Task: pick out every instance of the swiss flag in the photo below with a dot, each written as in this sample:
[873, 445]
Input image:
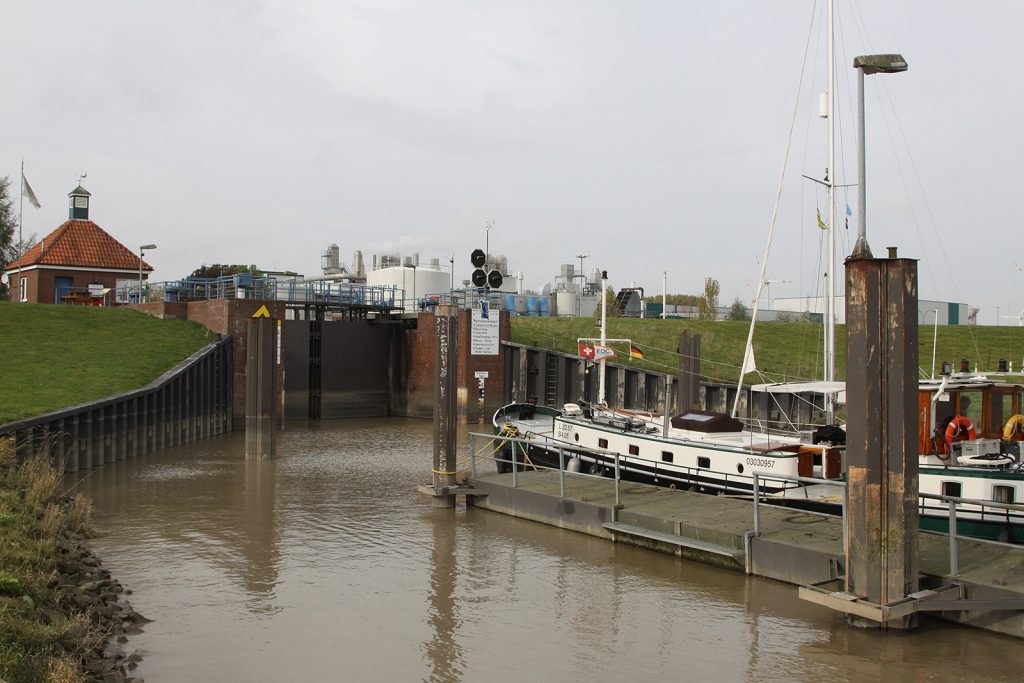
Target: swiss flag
[586, 351]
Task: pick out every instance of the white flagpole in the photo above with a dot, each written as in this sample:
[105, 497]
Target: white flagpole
[21, 202]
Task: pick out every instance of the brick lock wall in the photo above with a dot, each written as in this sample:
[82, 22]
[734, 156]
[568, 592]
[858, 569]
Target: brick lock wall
[418, 355]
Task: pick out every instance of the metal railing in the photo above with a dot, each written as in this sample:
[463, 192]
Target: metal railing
[952, 502]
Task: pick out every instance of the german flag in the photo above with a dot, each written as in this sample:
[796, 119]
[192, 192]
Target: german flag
[634, 352]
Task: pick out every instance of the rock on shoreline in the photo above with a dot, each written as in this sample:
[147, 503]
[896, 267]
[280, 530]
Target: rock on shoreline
[86, 587]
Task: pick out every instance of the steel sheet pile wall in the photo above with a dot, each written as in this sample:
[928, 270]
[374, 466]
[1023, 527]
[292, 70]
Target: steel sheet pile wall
[192, 401]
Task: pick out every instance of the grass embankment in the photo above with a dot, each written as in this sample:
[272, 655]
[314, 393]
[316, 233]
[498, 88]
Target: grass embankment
[784, 351]
[57, 356]
[45, 635]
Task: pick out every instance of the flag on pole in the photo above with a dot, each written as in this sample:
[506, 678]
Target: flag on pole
[634, 352]
[821, 223]
[26, 190]
[603, 352]
[586, 350]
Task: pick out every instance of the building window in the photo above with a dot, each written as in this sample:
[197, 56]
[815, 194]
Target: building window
[634, 450]
[666, 456]
[952, 488]
[23, 288]
[703, 461]
[1002, 494]
[602, 443]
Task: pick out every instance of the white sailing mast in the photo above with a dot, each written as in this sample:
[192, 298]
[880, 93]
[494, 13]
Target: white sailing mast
[829, 364]
[829, 373]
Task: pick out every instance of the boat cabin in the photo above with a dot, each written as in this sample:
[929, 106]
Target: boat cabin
[954, 410]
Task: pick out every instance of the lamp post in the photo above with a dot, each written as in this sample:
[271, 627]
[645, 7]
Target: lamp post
[865, 66]
[935, 339]
[768, 289]
[142, 252]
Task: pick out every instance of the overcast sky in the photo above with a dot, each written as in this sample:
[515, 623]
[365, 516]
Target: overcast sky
[649, 135]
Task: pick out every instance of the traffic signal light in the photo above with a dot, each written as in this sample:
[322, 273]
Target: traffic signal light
[491, 279]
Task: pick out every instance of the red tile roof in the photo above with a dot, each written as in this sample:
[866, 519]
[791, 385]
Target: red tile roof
[83, 244]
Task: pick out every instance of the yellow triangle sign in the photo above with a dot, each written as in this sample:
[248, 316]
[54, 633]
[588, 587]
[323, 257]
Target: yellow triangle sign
[261, 312]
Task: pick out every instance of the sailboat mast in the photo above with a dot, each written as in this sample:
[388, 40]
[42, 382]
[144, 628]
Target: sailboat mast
[604, 335]
[830, 279]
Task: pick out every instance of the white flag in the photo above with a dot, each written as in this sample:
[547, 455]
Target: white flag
[26, 190]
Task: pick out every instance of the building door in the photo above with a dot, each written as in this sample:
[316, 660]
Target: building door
[61, 288]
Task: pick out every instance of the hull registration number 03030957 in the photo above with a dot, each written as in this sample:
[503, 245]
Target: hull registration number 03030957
[761, 462]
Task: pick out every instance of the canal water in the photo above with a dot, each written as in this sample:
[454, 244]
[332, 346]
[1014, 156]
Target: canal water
[326, 564]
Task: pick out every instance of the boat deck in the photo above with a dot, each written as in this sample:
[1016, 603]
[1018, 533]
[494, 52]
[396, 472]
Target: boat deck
[797, 547]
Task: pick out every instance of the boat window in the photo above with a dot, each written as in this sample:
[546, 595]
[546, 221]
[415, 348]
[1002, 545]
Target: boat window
[1001, 411]
[666, 456]
[1003, 494]
[952, 488]
[970, 407]
[703, 461]
[634, 450]
[602, 443]
[576, 436]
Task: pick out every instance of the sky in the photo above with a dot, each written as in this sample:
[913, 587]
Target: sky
[648, 135]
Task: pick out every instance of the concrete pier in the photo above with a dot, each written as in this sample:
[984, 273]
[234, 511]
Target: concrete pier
[800, 548]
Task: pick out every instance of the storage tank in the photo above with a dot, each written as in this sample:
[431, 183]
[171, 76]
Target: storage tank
[532, 305]
[521, 305]
[544, 305]
[565, 303]
[510, 303]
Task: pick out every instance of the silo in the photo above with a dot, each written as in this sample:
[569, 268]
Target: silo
[565, 303]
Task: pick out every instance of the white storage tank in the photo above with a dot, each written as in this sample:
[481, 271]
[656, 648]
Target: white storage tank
[565, 303]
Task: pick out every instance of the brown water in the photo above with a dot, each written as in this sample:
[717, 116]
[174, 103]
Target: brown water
[326, 564]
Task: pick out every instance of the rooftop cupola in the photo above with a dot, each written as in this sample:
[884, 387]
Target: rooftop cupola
[78, 204]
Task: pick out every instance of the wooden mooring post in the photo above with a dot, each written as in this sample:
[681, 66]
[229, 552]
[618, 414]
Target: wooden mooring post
[445, 406]
[881, 450]
[689, 372]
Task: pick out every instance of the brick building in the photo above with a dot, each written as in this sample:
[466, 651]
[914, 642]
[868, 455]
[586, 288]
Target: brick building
[77, 262]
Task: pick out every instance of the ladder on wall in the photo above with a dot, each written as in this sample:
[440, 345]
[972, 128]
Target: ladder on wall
[551, 380]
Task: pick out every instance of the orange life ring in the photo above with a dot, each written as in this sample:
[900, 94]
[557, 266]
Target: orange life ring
[1014, 429]
[956, 429]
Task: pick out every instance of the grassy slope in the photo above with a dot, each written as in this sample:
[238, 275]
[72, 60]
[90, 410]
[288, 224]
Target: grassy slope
[56, 356]
[786, 350]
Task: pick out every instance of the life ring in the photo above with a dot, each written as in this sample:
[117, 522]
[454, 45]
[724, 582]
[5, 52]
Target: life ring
[1014, 429]
[956, 429]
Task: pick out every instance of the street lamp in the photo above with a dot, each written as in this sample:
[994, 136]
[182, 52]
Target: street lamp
[142, 252]
[865, 66]
[768, 289]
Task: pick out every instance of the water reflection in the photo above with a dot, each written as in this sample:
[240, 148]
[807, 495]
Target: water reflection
[443, 654]
[259, 536]
[325, 564]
